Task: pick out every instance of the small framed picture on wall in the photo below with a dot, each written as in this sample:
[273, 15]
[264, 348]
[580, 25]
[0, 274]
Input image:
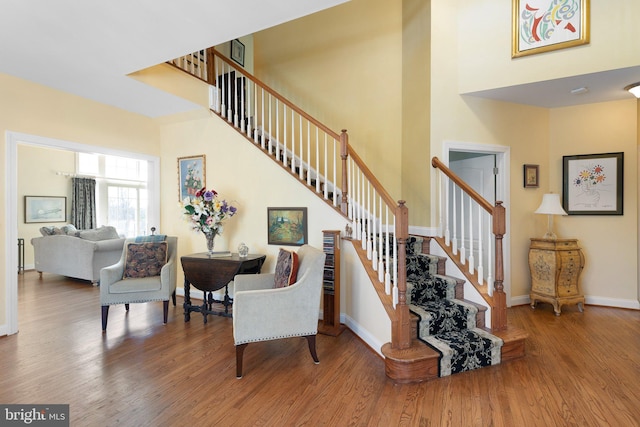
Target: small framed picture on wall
[530, 173]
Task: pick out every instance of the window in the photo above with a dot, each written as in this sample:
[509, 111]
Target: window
[122, 197]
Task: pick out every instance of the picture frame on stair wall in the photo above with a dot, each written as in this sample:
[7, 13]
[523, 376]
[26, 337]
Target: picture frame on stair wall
[237, 51]
[287, 226]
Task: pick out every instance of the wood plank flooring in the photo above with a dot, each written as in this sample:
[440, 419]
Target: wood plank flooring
[580, 369]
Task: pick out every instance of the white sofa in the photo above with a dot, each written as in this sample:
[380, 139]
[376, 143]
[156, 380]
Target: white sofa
[81, 255]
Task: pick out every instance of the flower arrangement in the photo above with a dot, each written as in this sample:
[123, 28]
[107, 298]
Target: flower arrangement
[192, 180]
[590, 176]
[206, 212]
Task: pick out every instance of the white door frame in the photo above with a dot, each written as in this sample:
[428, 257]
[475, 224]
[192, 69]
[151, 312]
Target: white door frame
[12, 139]
[503, 162]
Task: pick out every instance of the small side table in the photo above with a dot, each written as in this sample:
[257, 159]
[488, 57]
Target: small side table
[20, 255]
[555, 267]
[210, 274]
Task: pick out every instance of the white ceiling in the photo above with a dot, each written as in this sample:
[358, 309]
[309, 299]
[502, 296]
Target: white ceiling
[599, 87]
[88, 47]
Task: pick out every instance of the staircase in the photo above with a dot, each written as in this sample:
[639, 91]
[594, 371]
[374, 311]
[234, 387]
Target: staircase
[435, 332]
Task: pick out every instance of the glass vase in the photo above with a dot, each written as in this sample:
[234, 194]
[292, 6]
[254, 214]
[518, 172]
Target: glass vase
[211, 236]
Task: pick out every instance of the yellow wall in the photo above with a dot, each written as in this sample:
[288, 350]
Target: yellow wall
[343, 66]
[609, 243]
[37, 176]
[485, 45]
[416, 109]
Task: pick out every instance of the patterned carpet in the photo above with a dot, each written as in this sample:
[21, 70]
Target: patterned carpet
[446, 324]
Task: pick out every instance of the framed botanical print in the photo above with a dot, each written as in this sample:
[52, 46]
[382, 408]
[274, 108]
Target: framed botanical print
[191, 175]
[593, 184]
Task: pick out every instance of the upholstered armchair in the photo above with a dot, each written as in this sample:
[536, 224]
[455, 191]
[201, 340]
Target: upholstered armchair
[135, 279]
[262, 312]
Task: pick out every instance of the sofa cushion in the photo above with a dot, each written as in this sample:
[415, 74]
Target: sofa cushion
[50, 231]
[286, 269]
[144, 259]
[103, 233]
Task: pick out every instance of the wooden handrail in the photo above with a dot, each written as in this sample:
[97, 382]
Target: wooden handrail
[272, 92]
[371, 177]
[436, 163]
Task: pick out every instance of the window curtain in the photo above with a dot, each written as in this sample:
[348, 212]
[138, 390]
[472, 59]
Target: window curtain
[83, 203]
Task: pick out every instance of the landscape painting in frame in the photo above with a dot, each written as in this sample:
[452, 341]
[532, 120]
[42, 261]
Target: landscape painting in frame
[545, 25]
[287, 226]
[45, 209]
[593, 184]
[191, 175]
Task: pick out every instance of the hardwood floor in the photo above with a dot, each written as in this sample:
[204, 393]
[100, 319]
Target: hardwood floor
[581, 369]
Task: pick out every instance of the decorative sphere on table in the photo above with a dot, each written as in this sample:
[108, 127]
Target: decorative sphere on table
[243, 250]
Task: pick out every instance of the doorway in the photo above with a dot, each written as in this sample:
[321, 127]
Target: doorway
[13, 139]
[486, 168]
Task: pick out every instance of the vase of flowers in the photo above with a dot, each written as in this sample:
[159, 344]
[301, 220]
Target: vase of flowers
[206, 213]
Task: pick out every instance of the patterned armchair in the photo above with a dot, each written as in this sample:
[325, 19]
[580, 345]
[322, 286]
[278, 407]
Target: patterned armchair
[262, 312]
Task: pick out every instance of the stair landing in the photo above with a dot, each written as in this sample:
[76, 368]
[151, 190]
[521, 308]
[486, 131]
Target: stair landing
[419, 362]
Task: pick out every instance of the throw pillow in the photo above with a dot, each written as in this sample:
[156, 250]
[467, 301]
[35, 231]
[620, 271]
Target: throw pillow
[47, 231]
[69, 230]
[144, 259]
[103, 233]
[286, 269]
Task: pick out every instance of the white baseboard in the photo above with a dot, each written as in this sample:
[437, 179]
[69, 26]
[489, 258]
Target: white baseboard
[588, 300]
[363, 334]
[4, 330]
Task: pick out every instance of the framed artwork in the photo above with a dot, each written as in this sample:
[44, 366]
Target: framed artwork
[546, 25]
[287, 226]
[191, 173]
[45, 209]
[531, 176]
[593, 184]
[237, 51]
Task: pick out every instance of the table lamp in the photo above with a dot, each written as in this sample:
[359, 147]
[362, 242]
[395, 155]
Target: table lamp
[551, 206]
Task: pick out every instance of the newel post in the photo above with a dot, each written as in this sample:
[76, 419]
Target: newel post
[344, 154]
[401, 328]
[211, 76]
[499, 310]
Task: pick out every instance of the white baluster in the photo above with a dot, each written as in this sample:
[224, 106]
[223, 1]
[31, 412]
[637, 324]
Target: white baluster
[481, 245]
[387, 275]
[472, 261]
[317, 162]
[374, 248]
[293, 142]
[463, 250]
[335, 167]
[454, 222]
[326, 171]
[301, 173]
[380, 248]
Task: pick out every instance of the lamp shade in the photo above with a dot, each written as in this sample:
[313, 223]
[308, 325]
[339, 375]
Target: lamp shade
[634, 89]
[551, 205]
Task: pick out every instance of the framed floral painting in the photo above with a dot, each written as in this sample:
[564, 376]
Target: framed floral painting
[593, 184]
[191, 174]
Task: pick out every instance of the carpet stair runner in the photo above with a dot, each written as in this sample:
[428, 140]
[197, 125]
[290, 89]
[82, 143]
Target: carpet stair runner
[447, 324]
